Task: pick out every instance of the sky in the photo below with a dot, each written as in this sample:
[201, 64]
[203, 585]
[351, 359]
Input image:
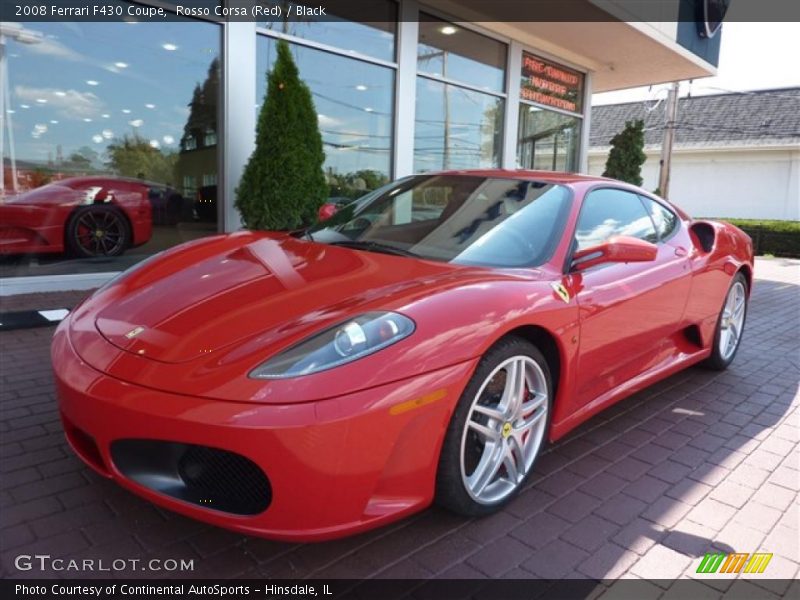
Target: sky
[753, 56]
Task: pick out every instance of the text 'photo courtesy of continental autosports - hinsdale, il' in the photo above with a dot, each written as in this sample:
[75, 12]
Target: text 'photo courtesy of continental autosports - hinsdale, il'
[421, 344]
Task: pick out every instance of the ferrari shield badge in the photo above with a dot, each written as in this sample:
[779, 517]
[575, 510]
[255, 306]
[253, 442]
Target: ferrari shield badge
[561, 291]
[134, 332]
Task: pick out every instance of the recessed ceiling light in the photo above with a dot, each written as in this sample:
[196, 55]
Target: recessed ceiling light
[136, 123]
[169, 47]
[149, 105]
[87, 120]
[121, 65]
[53, 121]
[368, 109]
[24, 106]
[92, 82]
[60, 93]
[361, 87]
[106, 116]
[41, 100]
[448, 30]
[127, 111]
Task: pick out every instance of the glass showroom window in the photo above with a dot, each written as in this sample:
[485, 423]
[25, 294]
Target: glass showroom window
[550, 119]
[548, 140]
[458, 125]
[113, 124]
[354, 102]
[456, 128]
[457, 54]
[349, 32]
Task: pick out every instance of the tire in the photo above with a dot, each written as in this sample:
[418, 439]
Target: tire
[730, 322]
[489, 451]
[97, 230]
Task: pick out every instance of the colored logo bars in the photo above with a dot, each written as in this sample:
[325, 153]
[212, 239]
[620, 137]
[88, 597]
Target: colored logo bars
[733, 563]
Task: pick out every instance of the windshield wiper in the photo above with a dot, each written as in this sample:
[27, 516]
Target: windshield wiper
[375, 247]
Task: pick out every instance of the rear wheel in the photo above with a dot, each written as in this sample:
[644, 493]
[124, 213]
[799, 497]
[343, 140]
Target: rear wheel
[97, 230]
[730, 325]
[497, 430]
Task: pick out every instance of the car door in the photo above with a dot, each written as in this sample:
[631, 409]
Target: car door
[628, 311]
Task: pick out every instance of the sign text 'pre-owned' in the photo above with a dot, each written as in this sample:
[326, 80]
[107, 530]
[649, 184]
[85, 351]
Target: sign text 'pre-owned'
[546, 83]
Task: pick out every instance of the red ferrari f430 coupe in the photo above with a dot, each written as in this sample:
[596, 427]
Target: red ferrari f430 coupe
[86, 216]
[423, 344]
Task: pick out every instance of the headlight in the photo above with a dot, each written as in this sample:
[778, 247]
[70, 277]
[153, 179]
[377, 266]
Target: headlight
[337, 346]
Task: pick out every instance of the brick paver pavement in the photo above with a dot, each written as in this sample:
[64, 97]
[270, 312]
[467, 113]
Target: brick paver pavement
[700, 462]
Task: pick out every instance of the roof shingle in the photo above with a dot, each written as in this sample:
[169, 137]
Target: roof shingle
[760, 118]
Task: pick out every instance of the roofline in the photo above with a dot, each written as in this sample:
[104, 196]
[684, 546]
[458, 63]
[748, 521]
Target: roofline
[702, 96]
[679, 149]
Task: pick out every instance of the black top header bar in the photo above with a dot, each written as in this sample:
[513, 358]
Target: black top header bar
[381, 10]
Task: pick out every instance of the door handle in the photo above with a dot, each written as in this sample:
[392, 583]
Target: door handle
[681, 251]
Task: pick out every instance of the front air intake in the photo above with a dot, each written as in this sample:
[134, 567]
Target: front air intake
[209, 477]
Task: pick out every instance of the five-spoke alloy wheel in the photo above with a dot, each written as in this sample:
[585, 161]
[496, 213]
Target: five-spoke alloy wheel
[730, 325]
[497, 430]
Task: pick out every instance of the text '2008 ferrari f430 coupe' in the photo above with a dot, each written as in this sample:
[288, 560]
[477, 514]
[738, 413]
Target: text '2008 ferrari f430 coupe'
[423, 344]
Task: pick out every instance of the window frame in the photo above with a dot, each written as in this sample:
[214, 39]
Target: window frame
[674, 231]
[392, 67]
[503, 91]
[567, 267]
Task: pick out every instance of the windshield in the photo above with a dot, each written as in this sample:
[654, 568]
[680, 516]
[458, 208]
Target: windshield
[461, 219]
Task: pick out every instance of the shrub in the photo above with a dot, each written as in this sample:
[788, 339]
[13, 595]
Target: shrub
[283, 184]
[627, 155]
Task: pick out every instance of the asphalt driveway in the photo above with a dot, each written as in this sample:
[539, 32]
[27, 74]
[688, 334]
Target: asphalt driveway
[701, 462]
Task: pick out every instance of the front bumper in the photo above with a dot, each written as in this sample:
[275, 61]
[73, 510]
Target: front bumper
[335, 467]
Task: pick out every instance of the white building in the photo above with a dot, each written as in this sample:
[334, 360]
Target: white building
[736, 155]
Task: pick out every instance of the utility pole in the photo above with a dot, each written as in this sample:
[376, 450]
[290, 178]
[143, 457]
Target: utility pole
[670, 118]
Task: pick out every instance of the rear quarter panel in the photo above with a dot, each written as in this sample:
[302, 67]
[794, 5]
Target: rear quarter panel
[713, 270]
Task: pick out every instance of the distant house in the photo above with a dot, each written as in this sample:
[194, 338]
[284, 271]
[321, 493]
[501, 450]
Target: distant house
[736, 155]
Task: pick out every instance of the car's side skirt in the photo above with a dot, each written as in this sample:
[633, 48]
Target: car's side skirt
[625, 389]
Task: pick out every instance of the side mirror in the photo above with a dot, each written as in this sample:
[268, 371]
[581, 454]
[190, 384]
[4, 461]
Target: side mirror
[620, 248]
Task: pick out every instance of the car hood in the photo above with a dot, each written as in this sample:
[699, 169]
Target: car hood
[198, 318]
[213, 295]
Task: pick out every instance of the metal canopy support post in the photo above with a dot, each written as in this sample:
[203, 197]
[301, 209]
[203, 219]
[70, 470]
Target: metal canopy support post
[511, 116]
[586, 124]
[406, 86]
[238, 114]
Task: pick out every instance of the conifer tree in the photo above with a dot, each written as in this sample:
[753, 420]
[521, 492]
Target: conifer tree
[627, 155]
[283, 184]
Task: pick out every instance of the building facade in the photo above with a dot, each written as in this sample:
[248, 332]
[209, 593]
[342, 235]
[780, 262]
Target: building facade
[735, 155]
[426, 86]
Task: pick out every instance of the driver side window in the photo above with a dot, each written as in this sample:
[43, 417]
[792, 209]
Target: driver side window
[609, 212]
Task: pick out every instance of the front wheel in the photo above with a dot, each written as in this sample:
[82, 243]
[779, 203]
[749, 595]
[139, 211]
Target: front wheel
[497, 430]
[730, 325]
